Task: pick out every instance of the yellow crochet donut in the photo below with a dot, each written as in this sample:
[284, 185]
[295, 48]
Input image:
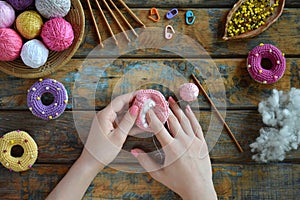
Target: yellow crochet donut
[18, 151]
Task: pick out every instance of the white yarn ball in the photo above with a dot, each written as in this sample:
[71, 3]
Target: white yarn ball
[53, 8]
[34, 53]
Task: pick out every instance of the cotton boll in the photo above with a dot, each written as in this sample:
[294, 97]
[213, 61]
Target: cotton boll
[281, 111]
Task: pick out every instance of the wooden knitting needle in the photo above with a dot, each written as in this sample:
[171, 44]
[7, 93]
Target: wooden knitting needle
[132, 13]
[124, 18]
[117, 21]
[218, 113]
[106, 22]
[95, 23]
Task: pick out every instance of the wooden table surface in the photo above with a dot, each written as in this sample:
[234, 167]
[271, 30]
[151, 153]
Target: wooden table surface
[236, 175]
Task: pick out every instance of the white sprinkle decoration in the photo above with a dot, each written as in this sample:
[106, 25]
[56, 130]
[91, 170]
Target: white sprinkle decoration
[32, 156]
[275, 77]
[55, 104]
[270, 51]
[278, 62]
[7, 164]
[28, 90]
[47, 88]
[265, 82]
[56, 114]
[54, 81]
[58, 88]
[43, 112]
[249, 66]
[33, 89]
[30, 108]
[257, 55]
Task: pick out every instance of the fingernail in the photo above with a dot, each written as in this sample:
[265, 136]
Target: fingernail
[134, 110]
[188, 108]
[171, 100]
[134, 152]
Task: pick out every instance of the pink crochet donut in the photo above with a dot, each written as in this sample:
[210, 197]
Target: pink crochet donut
[150, 99]
[188, 92]
[262, 74]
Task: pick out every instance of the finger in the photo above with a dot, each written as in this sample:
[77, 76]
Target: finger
[181, 117]
[147, 163]
[158, 128]
[174, 125]
[194, 122]
[121, 132]
[119, 102]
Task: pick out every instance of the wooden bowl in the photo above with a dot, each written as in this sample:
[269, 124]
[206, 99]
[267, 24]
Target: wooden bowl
[249, 34]
[56, 59]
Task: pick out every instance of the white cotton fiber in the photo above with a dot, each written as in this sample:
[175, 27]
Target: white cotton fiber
[281, 113]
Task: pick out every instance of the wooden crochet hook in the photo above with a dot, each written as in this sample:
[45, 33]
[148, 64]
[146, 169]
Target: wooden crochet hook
[132, 13]
[95, 23]
[116, 19]
[218, 113]
[106, 22]
[124, 18]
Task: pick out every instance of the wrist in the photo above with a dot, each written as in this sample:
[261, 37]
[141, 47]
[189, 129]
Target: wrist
[205, 192]
[89, 163]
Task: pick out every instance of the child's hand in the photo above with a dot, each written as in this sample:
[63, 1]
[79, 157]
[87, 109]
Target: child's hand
[106, 138]
[187, 168]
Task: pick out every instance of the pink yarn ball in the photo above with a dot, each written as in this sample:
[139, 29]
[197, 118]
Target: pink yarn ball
[189, 92]
[57, 34]
[10, 44]
[7, 15]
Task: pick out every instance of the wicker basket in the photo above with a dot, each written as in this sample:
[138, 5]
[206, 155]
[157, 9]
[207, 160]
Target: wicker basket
[56, 59]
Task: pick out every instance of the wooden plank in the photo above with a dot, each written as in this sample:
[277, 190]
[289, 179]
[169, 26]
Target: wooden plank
[207, 32]
[60, 140]
[192, 3]
[232, 181]
[241, 90]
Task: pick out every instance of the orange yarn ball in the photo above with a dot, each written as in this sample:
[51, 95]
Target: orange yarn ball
[29, 24]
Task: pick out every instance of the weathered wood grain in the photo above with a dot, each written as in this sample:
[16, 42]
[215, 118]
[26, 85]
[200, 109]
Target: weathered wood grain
[232, 181]
[192, 3]
[60, 140]
[84, 79]
[207, 31]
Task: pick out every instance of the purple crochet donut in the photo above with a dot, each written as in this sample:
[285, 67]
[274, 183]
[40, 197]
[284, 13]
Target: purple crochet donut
[34, 99]
[262, 74]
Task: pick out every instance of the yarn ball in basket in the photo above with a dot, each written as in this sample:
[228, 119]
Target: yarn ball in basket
[7, 15]
[29, 24]
[57, 34]
[34, 53]
[10, 44]
[53, 8]
[20, 4]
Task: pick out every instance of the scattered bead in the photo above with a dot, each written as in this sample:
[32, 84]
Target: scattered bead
[25, 140]
[265, 82]
[260, 71]
[47, 88]
[261, 44]
[65, 101]
[18, 131]
[30, 108]
[56, 114]
[278, 62]
[50, 117]
[55, 104]
[4, 151]
[7, 164]
[270, 50]
[40, 79]
[275, 77]
[58, 89]
[11, 141]
[249, 66]
[43, 112]
[256, 54]
[283, 54]
[33, 89]
[54, 81]
[29, 166]
[38, 98]
[19, 162]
